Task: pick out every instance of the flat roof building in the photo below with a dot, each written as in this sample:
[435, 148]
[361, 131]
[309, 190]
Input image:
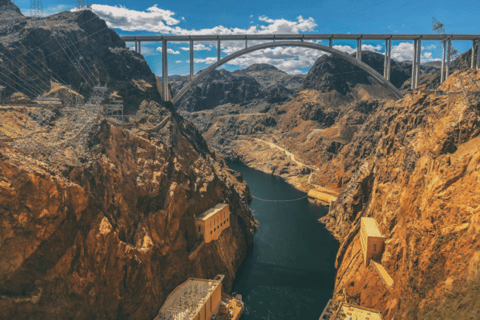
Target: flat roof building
[212, 222]
[195, 299]
[348, 311]
[373, 241]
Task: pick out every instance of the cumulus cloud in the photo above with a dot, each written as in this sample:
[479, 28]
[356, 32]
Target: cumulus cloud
[153, 19]
[404, 52]
[427, 57]
[197, 47]
[159, 49]
[208, 60]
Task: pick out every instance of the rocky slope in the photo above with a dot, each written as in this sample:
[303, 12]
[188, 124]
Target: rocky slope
[259, 84]
[106, 233]
[418, 179]
[331, 103]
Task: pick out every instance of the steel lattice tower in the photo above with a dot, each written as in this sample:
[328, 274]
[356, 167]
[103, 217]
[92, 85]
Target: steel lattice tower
[80, 4]
[36, 8]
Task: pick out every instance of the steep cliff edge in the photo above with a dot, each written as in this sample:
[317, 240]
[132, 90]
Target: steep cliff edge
[106, 235]
[419, 180]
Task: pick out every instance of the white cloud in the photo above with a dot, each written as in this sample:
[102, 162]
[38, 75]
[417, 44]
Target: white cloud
[251, 16]
[208, 60]
[427, 57]
[368, 47]
[197, 47]
[178, 61]
[346, 49]
[159, 49]
[153, 19]
[403, 51]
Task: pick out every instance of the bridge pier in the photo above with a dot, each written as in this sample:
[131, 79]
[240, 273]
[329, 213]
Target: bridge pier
[414, 64]
[218, 50]
[442, 70]
[419, 57]
[191, 59]
[478, 55]
[447, 69]
[387, 62]
[164, 70]
[472, 60]
[330, 42]
[359, 49]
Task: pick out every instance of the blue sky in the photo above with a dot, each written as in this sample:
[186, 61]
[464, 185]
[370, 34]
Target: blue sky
[279, 16]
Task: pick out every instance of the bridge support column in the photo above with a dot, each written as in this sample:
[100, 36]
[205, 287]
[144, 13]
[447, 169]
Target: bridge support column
[218, 50]
[478, 55]
[414, 64]
[191, 60]
[419, 57]
[442, 75]
[449, 49]
[140, 47]
[389, 62]
[164, 70]
[136, 46]
[472, 60]
[246, 43]
[359, 49]
[330, 42]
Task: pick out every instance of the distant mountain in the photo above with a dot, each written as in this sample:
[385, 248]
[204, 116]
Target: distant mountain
[256, 85]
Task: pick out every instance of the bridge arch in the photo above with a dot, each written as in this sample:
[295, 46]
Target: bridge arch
[384, 82]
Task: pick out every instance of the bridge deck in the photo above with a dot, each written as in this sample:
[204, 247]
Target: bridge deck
[313, 36]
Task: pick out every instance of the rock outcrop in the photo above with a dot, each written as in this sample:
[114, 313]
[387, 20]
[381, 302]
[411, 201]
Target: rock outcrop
[105, 235]
[418, 181]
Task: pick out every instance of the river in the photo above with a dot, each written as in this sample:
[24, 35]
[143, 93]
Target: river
[289, 273]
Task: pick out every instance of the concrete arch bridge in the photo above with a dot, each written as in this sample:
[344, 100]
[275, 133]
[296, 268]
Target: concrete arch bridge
[298, 40]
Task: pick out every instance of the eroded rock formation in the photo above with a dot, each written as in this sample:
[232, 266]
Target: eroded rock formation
[105, 234]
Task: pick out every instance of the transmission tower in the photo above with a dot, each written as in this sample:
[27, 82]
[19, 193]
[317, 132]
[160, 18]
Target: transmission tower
[449, 52]
[36, 8]
[80, 4]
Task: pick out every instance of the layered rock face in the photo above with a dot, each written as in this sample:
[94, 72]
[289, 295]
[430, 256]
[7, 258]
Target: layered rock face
[418, 179]
[259, 84]
[106, 234]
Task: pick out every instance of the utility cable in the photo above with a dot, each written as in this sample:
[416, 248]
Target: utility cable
[77, 59]
[289, 200]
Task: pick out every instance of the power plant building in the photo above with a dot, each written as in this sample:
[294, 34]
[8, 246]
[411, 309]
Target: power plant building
[212, 222]
[372, 240]
[195, 299]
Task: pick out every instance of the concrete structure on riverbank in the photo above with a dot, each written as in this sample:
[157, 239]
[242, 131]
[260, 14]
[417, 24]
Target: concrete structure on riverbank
[195, 299]
[372, 240]
[348, 311]
[324, 196]
[201, 299]
[210, 224]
